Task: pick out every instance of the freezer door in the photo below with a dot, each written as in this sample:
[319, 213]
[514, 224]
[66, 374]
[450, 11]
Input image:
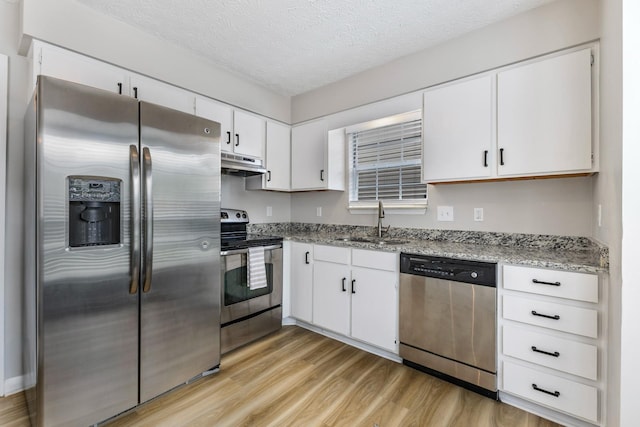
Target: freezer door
[87, 321]
[180, 297]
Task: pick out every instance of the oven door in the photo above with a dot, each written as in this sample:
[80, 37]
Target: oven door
[238, 300]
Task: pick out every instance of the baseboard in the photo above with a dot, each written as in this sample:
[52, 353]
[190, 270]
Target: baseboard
[14, 385]
[347, 340]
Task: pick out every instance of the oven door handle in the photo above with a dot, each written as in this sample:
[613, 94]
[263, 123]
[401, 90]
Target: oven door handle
[246, 250]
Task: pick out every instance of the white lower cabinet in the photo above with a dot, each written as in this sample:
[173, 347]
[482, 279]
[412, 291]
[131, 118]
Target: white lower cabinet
[553, 342]
[331, 296]
[373, 297]
[355, 294]
[301, 279]
[550, 390]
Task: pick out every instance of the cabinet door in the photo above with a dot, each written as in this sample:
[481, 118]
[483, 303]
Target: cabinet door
[220, 113]
[458, 131]
[157, 92]
[249, 134]
[301, 281]
[278, 157]
[76, 68]
[374, 307]
[331, 291]
[544, 116]
[308, 163]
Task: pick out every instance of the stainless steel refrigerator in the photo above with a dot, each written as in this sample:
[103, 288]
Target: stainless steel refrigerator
[122, 280]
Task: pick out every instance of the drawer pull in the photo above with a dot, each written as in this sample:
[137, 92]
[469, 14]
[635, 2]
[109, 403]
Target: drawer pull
[554, 354]
[541, 282]
[552, 393]
[554, 317]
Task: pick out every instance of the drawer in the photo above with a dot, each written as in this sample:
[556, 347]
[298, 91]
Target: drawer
[334, 254]
[556, 353]
[375, 259]
[564, 395]
[562, 284]
[575, 320]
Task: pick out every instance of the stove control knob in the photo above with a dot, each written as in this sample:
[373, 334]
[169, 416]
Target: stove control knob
[474, 275]
[237, 214]
[244, 215]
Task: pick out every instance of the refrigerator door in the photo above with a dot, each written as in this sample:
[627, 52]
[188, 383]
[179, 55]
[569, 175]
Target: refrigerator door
[180, 281]
[87, 327]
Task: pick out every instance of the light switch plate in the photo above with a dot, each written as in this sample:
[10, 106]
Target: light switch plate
[478, 214]
[269, 211]
[445, 213]
[319, 211]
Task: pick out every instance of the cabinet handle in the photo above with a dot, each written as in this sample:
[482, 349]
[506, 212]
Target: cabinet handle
[135, 92]
[486, 153]
[502, 157]
[237, 139]
[228, 137]
[552, 393]
[119, 88]
[344, 280]
[540, 282]
[306, 257]
[353, 286]
[322, 175]
[554, 317]
[268, 176]
[537, 350]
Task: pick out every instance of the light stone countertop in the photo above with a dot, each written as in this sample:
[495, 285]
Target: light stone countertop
[579, 254]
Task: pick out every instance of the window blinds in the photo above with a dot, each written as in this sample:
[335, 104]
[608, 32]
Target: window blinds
[386, 161]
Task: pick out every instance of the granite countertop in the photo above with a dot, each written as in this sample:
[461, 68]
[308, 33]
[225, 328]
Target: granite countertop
[569, 253]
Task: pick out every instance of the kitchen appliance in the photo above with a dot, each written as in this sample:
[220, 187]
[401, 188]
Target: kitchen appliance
[248, 312]
[241, 165]
[448, 319]
[122, 291]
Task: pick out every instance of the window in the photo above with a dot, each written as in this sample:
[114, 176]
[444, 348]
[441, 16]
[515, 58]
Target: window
[385, 159]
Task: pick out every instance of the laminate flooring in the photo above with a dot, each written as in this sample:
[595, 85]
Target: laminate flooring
[296, 377]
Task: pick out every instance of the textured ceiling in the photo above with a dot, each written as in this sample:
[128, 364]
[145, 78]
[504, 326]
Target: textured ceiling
[292, 46]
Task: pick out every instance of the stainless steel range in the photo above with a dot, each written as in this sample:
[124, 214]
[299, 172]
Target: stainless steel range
[251, 277]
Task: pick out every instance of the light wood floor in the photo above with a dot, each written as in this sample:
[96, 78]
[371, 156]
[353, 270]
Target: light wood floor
[298, 378]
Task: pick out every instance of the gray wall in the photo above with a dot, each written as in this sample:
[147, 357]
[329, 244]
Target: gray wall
[18, 76]
[557, 206]
[608, 188]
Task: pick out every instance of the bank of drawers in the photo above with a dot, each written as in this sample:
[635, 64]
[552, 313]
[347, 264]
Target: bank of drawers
[545, 326]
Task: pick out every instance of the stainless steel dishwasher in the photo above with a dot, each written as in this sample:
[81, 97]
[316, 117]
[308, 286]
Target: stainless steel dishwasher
[448, 320]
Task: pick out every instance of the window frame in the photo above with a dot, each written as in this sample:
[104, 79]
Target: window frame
[391, 206]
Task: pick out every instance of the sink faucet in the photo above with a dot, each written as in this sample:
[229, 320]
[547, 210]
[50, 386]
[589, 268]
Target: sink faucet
[380, 216]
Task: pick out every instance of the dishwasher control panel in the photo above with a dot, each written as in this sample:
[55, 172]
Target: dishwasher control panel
[457, 270]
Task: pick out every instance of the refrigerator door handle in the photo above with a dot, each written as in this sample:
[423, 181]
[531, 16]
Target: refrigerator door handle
[134, 170]
[148, 219]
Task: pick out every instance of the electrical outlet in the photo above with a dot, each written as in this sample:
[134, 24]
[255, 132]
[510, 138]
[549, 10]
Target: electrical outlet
[478, 214]
[269, 211]
[319, 211]
[445, 213]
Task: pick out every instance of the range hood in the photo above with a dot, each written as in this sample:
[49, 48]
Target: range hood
[238, 165]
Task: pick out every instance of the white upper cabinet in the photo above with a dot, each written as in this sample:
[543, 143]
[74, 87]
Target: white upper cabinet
[317, 157]
[240, 132]
[544, 116]
[157, 92]
[55, 62]
[458, 131]
[278, 157]
[249, 134]
[220, 113]
[528, 120]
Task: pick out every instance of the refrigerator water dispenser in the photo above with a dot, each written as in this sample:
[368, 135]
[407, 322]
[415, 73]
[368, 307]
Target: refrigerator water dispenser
[94, 211]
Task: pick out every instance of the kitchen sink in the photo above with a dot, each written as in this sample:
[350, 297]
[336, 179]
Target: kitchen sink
[374, 240]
